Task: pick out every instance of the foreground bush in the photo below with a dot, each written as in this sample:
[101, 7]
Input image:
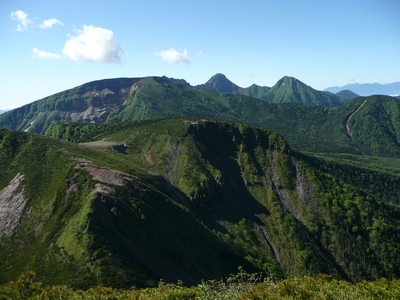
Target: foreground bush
[238, 286]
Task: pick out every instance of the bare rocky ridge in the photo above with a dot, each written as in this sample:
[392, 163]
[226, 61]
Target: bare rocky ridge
[12, 204]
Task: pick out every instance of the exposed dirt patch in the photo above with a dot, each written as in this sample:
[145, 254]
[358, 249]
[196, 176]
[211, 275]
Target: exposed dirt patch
[108, 176]
[98, 144]
[105, 175]
[151, 158]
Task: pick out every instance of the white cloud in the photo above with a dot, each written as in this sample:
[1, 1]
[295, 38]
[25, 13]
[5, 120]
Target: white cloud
[355, 79]
[50, 23]
[43, 54]
[21, 17]
[200, 54]
[93, 44]
[173, 56]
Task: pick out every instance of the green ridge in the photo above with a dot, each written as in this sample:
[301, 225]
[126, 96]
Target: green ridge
[198, 199]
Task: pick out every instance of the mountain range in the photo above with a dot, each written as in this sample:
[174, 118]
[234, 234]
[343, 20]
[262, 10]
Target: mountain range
[128, 181]
[312, 127]
[287, 89]
[368, 89]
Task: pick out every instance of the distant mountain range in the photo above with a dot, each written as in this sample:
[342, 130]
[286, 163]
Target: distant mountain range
[4, 110]
[368, 89]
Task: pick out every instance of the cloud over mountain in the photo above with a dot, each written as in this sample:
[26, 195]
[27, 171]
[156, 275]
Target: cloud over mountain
[174, 57]
[21, 17]
[93, 44]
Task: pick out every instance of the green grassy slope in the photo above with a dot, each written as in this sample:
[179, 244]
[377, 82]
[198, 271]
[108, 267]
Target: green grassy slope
[246, 193]
[76, 234]
[306, 128]
[289, 89]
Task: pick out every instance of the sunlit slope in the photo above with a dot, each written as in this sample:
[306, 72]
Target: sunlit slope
[354, 128]
[186, 199]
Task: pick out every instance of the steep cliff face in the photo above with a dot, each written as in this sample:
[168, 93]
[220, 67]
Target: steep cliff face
[246, 182]
[92, 102]
[251, 188]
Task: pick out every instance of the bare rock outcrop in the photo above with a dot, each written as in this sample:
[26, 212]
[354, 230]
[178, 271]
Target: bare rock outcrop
[303, 185]
[12, 204]
[283, 194]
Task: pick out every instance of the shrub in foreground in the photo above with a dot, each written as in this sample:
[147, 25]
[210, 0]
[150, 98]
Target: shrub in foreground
[237, 286]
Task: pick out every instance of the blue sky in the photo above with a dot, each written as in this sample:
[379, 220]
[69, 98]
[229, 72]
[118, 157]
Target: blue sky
[51, 46]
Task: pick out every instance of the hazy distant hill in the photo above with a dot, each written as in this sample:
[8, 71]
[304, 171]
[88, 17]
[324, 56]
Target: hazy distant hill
[3, 111]
[346, 95]
[368, 89]
[220, 83]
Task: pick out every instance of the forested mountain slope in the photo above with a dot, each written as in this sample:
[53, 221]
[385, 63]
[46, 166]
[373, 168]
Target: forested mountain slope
[220, 83]
[186, 199]
[290, 89]
[305, 127]
[346, 95]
